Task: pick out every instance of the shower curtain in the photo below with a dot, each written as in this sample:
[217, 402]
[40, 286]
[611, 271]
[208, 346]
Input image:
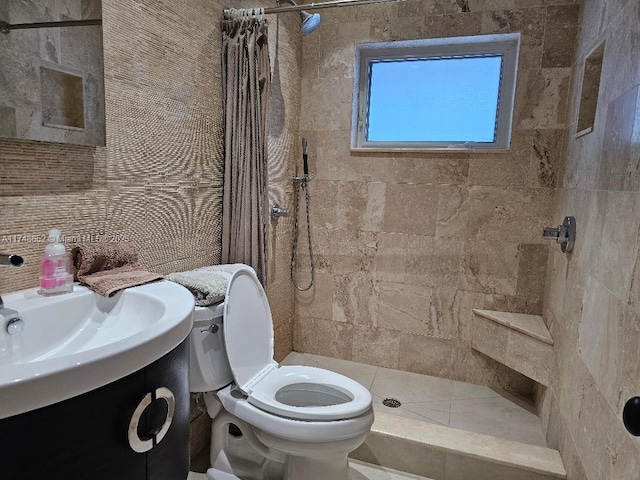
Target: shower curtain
[245, 84]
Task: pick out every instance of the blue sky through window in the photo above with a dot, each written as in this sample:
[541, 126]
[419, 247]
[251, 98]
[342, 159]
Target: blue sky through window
[434, 100]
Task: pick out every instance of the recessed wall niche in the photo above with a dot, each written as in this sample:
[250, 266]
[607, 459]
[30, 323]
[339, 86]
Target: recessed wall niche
[590, 91]
[62, 97]
[52, 79]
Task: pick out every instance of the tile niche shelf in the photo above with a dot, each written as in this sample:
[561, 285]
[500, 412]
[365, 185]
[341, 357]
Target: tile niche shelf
[521, 342]
[62, 98]
[590, 91]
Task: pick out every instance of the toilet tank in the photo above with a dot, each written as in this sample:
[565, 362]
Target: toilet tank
[208, 364]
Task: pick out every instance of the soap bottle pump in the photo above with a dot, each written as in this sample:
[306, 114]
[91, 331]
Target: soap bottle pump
[56, 275]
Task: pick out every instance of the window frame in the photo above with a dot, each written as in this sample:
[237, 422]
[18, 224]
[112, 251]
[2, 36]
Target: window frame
[506, 45]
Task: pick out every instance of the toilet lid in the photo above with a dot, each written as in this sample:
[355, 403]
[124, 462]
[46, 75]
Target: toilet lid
[248, 329]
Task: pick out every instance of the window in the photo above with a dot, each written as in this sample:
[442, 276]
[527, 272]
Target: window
[450, 93]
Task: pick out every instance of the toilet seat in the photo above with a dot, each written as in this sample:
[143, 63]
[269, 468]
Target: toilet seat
[316, 388]
[290, 428]
[296, 392]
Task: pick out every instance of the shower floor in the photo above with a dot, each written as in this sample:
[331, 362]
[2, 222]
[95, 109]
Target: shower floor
[465, 406]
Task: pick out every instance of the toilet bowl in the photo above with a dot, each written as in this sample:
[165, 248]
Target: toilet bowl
[301, 420]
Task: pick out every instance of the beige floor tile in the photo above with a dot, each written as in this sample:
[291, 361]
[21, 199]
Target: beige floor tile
[416, 411]
[367, 471]
[197, 476]
[519, 406]
[402, 454]
[359, 372]
[411, 387]
[467, 391]
[389, 430]
[511, 418]
[475, 408]
[435, 411]
[465, 468]
[295, 358]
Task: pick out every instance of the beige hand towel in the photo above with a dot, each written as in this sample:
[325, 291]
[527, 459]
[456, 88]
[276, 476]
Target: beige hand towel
[107, 267]
[208, 284]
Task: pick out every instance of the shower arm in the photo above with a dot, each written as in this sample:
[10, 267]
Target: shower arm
[315, 6]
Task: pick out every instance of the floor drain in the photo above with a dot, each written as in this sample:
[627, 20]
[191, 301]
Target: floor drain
[391, 402]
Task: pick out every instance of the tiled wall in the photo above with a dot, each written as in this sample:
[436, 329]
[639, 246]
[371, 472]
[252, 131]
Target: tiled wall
[158, 182]
[34, 107]
[592, 301]
[407, 244]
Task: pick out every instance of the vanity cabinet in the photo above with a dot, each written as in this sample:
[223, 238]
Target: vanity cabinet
[94, 436]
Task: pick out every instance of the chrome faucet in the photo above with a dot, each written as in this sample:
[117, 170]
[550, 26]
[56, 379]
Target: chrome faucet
[11, 260]
[15, 325]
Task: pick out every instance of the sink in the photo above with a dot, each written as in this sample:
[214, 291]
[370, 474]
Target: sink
[74, 343]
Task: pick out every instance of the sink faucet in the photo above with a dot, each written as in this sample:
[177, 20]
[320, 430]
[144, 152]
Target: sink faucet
[9, 260]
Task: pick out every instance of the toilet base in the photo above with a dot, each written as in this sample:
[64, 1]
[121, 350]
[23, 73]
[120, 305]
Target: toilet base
[253, 453]
[304, 468]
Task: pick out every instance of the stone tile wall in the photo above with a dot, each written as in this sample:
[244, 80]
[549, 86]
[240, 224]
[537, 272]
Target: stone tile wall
[592, 301]
[407, 244]
[52, 78]
[158, 182]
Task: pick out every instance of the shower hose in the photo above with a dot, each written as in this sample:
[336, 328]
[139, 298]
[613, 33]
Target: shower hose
[301, 183]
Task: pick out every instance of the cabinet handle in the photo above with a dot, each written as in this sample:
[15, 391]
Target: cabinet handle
[139, 445]
[165, 394]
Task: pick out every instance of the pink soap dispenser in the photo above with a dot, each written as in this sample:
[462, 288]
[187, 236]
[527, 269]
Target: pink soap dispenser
[56, 275]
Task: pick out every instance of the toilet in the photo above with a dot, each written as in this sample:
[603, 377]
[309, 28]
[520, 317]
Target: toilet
[270, 422]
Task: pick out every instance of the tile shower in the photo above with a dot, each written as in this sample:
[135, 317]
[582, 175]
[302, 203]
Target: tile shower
[405, 245]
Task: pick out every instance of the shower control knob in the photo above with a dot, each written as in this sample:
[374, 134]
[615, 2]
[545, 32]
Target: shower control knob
[278, 211]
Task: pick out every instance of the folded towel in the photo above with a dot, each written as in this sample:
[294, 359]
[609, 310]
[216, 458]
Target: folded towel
[108, 267]
[208, 284]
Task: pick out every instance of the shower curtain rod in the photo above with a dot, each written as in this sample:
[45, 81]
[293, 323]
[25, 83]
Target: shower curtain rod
[312, 6]
[7, 27]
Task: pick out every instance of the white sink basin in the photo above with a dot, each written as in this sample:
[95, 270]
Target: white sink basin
[75, 343]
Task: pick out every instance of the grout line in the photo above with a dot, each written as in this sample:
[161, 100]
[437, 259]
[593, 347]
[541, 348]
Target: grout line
[375, 374]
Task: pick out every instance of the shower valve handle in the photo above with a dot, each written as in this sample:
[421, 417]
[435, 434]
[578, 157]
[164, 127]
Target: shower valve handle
[278, 211]
[564, 234]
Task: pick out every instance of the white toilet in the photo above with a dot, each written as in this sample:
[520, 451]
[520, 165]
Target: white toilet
[270, 422]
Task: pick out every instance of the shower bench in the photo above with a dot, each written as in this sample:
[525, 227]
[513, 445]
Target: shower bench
[520, 341]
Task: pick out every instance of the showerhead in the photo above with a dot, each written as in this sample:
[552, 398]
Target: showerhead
[310, 21]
